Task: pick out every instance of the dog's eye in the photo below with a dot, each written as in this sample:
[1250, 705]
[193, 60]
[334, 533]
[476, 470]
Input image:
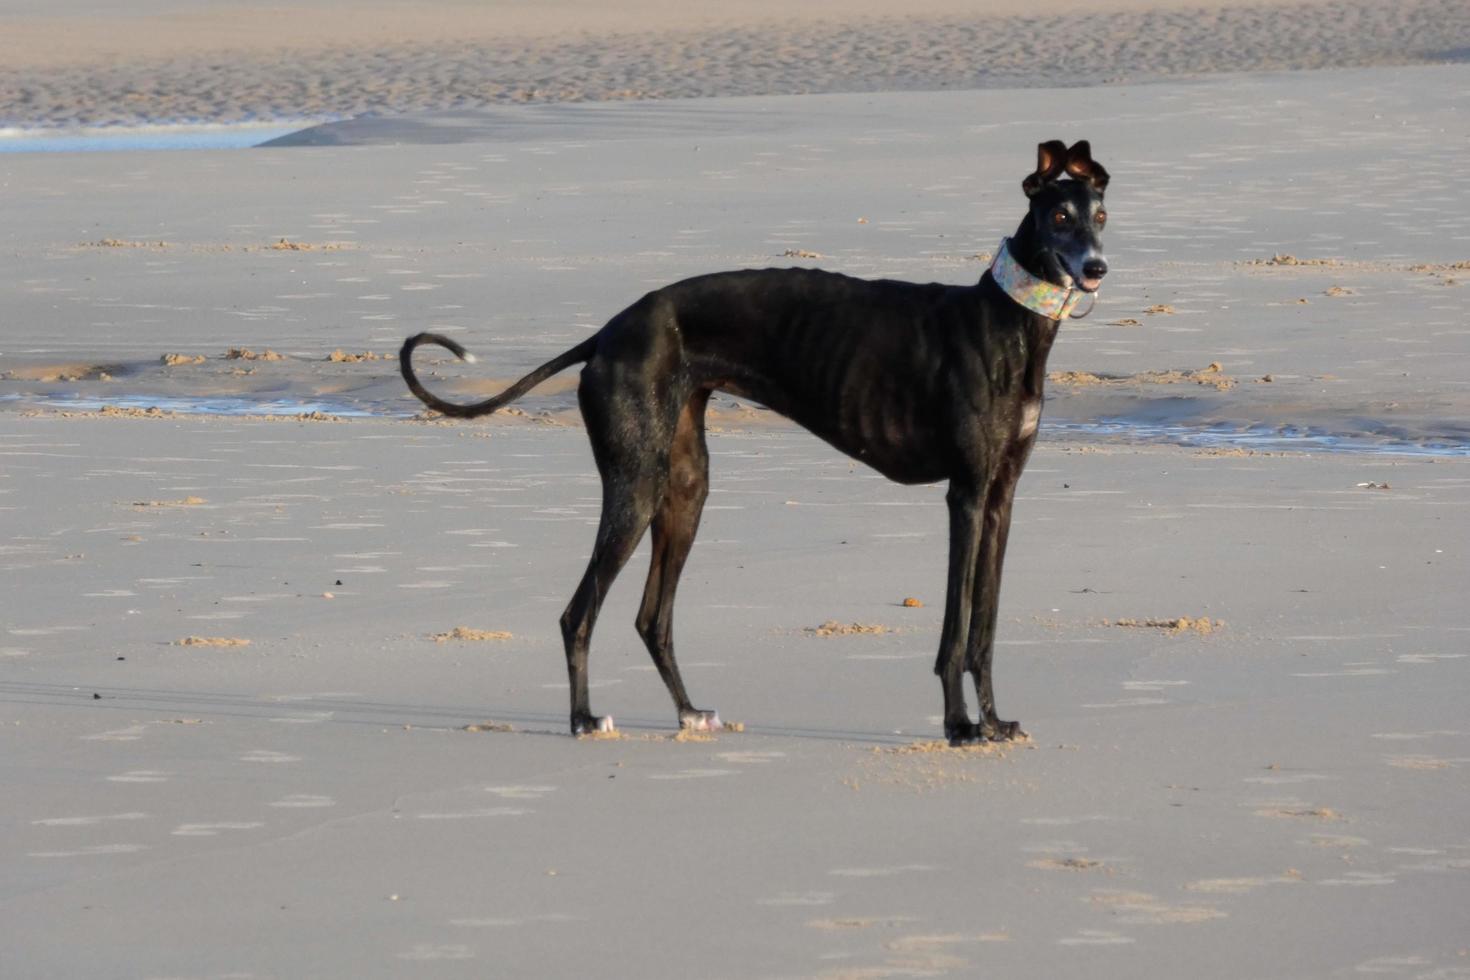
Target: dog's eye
[1101, 219]
[1060, 218]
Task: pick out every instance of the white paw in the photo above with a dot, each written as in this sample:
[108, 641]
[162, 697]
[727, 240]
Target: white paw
[700, 721]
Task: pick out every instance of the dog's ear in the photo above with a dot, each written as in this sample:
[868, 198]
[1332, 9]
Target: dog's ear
[1081, 165]
[1051, 160]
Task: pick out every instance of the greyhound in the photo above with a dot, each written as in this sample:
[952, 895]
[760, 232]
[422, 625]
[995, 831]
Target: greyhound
[921, 382]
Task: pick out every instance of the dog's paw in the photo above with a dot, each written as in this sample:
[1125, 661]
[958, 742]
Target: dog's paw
[962, 732]
[593, 725]
[700, 721]
[1004, 731]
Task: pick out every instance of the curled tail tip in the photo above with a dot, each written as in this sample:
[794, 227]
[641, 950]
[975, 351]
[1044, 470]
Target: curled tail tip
[449, 344]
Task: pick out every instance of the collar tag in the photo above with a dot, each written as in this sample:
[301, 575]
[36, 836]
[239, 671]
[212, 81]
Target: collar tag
[1037, 295]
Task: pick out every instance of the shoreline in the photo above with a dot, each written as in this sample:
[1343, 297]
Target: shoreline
[1102, 433]
[164, 135]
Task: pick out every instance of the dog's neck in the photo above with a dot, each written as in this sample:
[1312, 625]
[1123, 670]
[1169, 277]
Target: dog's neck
[1027, 287]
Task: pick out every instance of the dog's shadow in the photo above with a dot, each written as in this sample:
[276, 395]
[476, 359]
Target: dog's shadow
[339, 709]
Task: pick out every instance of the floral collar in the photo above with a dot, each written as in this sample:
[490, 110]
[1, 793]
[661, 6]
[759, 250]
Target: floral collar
[1037, 295]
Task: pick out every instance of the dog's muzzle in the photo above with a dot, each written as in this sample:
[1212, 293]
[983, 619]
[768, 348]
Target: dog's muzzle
[1093, 271]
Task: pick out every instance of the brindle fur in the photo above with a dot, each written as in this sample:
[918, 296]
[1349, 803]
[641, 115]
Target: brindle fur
[921, 382]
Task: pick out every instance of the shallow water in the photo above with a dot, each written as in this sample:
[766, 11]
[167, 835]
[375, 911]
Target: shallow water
[205, 405]
[1288, 438]
[1206, 435]
[184, 136]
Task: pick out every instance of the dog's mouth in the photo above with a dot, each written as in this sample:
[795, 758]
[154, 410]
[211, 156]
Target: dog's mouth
[1088, 284]
[1059, 272]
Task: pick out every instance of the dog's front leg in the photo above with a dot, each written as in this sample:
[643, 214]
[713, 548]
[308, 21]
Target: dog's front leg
[965, 512]
[980, 650]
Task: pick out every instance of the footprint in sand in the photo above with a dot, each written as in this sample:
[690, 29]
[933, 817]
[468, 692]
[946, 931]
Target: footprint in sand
[1239, 886]
[520, 792]
[1424, 763]
[1437, 865]
[1139, 702]
[1397, 966]
[314, 696]
[1096, 937]
[1292, 808]
[591, 686]
[130, 734]
[303, 801]
[1054, 847]
[1298, 812]
[212, 829]
[1414, 736]
[798, 899]
[1065, 821]
[479, 814]
[96, 850]
[1140, 908]
[306, 718]
[1287, 778]
[1152, 686]
[1428, 658]
[888, 872]
[1350, 672]
[511, 921]
[141, 776]
[930, 943]
[1357, 879]
[693, 774]
[427, 951]
[86, 821]
[859, 922]
[1069, 864]
[749, 758]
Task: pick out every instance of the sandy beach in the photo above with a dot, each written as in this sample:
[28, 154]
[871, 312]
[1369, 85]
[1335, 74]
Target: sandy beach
[281, 684]
[167, 62]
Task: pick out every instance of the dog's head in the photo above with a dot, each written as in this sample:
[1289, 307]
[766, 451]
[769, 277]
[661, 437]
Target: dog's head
[1060, 237]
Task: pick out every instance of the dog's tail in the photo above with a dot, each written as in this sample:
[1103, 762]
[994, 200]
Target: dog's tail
[561, 362]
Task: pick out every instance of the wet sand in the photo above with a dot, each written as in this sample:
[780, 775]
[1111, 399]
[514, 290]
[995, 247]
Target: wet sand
[1280, 797]
[1323, 284]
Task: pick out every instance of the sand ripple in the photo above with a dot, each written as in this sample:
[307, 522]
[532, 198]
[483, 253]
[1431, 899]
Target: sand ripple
[913, 53]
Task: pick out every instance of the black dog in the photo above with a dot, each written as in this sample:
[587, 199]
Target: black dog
[921, 382]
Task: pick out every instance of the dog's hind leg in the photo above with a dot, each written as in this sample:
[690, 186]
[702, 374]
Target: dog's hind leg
[674, 528]
[629, 442]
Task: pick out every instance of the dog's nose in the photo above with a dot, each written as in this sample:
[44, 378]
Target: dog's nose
[1094, 268]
